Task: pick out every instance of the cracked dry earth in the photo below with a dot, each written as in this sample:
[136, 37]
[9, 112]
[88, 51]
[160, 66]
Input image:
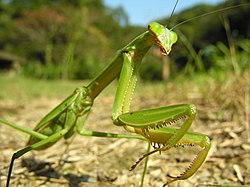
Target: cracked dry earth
[223, 115]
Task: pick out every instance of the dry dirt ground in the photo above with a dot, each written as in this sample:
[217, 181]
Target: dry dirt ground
[223, 115]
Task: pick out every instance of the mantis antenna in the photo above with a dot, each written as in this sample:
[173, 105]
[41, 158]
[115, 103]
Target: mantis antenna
[209, 13]
[171, 15]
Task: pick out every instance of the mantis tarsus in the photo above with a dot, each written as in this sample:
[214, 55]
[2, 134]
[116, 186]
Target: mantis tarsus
[150, 125]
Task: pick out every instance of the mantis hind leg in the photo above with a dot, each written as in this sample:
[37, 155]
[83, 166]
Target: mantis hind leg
[37, 145]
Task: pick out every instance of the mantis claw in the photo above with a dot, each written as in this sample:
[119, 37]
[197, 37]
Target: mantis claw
[195, 164]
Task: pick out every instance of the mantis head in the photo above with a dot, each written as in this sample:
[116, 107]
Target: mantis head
[164, 37]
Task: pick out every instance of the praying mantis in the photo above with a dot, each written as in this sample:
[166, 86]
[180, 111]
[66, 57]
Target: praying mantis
[152, 125]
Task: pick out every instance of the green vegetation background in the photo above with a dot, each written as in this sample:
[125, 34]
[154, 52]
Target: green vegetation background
[77, 39]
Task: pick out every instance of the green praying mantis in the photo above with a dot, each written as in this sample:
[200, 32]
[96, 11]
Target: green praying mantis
[152, 125]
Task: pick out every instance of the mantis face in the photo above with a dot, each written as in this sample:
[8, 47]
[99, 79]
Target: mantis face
[163, 37]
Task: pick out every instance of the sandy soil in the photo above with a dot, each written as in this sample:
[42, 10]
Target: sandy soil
[223, 115]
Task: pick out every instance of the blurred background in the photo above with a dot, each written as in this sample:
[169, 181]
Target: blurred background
[48, 48]
[76, 40]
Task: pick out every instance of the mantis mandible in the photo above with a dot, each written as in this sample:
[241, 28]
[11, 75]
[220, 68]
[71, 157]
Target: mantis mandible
[150, 125]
